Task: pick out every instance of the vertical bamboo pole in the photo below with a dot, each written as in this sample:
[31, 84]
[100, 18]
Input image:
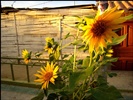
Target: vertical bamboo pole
[16, 29]
[60, 34]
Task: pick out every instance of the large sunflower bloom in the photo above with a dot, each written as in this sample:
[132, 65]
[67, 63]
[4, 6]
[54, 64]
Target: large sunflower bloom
[26, 55]
[99, 30]
[46, 75]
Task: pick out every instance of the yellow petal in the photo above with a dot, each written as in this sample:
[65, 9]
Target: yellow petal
[38, 75]
[89, 21]
[43, 70]
[39, 80]
[116, 26]
[44, 86]
[115, 15]
[107, 13]
[102, 43]
[113, 34]
[55, 76]
[56, 69]
[52, 80]
[91, 45]
[118, 20]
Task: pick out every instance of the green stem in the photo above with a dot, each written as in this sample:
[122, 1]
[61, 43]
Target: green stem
[83, 87]
[75, 94]
[66, 45]
[74, 62]
[75, 47]
[90, 59]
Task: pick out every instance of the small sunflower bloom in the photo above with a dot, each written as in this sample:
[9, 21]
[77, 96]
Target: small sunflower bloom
[46, 75]
[99, 30]
[49, 45]
[26, 55]
[48, 39]
[48, 48]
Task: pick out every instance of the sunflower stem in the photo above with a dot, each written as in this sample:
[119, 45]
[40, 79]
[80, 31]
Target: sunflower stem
[75, 47]
[90, 59]
[66, 45]
[74, 62]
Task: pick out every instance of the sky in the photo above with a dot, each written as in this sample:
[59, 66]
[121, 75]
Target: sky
[43, 4]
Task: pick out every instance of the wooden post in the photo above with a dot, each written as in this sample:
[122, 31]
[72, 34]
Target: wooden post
[16, 30]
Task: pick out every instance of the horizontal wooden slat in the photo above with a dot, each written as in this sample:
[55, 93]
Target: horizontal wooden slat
[32, 27]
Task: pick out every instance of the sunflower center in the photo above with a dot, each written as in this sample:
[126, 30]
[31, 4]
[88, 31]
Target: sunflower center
[48, 76]
[99, 27]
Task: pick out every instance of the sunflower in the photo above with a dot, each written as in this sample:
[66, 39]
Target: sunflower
[26, 55]
[47, 74]
[99, 30]
[48, 48]
[49, 45]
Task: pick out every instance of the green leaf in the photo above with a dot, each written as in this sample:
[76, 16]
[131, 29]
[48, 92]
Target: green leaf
[52, 96]
[91, 16]
[111, 59]
[66, 36]
[80, 61]
[112, 74]
[77, 16]
[72, 59]
[106, 93]
[97, 58]
[57, 53]
[76, 42]
[116, 30]
[118, 40]
[129, 17]
[40, 96]
[37, 54]
[90, 69]
[46, 92]
[65, 56]
[86, 61]
[81, 47]
[93, 54]
[74, 79]
[51, 57]
[59, 83]
[67, 66]
[101, 80]
[77, 78]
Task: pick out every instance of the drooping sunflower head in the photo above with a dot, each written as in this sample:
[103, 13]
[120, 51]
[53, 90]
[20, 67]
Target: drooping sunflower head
[26, 56]
[99, 30]
[47, 74]
[48, 39]
[49, 45]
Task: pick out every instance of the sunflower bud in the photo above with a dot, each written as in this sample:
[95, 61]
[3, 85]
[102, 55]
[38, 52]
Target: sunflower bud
[108, 55]
[110, 51]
